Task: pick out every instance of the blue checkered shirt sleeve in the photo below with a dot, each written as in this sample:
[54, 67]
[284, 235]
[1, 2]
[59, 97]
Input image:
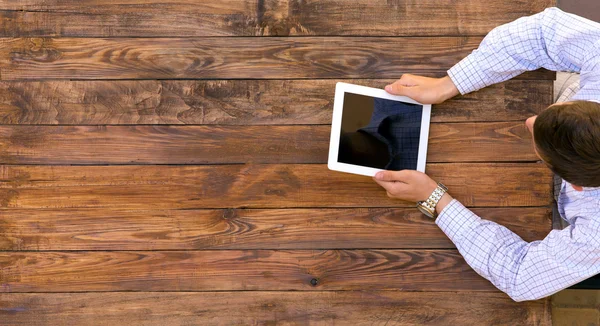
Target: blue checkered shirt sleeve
[552, 39]
[531, 270]
[525, 270]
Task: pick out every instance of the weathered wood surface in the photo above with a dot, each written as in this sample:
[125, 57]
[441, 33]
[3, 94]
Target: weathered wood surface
[163, 144]
[222, 58]
[256, 186]
[218, 270]
[295, 242]
[271, 308]
[454, 142]
[108, 18]
[236, 102]
[393, 228]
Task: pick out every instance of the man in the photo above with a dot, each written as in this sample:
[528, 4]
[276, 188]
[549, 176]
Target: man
[566, 137]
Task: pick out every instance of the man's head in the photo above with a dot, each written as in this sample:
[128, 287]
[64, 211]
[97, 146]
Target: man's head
[567, 137]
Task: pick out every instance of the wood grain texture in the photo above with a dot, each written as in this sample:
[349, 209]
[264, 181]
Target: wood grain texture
[163, 144]
[108, 18]
[256, 186]
[221, 58]
[271, 308]
[480, 142]
[455, 142]
[236, 102]
[248, 270]
[149, 147]
[400, 228]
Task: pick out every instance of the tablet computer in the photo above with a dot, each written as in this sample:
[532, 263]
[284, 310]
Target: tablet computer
[373, 130]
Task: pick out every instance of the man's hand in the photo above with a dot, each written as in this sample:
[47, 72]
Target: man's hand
[407, 185]
[411, 186]
[424, 89]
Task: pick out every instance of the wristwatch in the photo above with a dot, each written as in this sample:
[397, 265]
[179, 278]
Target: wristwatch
[427, 206]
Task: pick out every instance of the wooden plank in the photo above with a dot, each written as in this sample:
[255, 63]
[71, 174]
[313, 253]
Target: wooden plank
[402, 228]
[265, 308]
[236, 102]
[456, 142]
[108, 18]
[221, 58]
[163, 144]
[480, 142]
[228, 270]
[256, 186]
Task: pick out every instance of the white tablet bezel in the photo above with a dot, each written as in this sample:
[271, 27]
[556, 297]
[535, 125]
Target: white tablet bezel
[336, 128]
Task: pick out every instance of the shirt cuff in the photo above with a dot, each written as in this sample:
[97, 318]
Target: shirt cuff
[456, 220]
[465, 75]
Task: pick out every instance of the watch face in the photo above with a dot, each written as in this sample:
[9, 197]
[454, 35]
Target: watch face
[425, 211]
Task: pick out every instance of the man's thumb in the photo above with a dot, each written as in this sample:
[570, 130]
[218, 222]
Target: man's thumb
[398, 89]
[385, 176]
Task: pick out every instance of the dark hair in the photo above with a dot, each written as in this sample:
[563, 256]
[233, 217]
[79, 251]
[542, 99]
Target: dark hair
[567, 137]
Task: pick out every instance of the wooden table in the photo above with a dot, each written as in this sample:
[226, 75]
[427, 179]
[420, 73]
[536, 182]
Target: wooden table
[163, 162]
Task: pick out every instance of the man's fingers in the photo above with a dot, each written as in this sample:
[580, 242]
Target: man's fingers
[404, 82]
[408, 80]
[398, 89]
[394, 189]
[387, 185]
[394, 182]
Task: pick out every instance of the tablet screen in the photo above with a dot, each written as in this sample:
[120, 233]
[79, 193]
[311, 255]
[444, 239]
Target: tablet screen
[379, 133]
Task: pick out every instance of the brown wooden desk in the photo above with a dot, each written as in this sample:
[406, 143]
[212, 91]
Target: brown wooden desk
[163, 162]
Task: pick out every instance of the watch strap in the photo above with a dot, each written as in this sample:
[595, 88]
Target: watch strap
[430, 203]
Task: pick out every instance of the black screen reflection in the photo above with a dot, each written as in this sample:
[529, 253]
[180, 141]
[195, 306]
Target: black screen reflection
[380, 133]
